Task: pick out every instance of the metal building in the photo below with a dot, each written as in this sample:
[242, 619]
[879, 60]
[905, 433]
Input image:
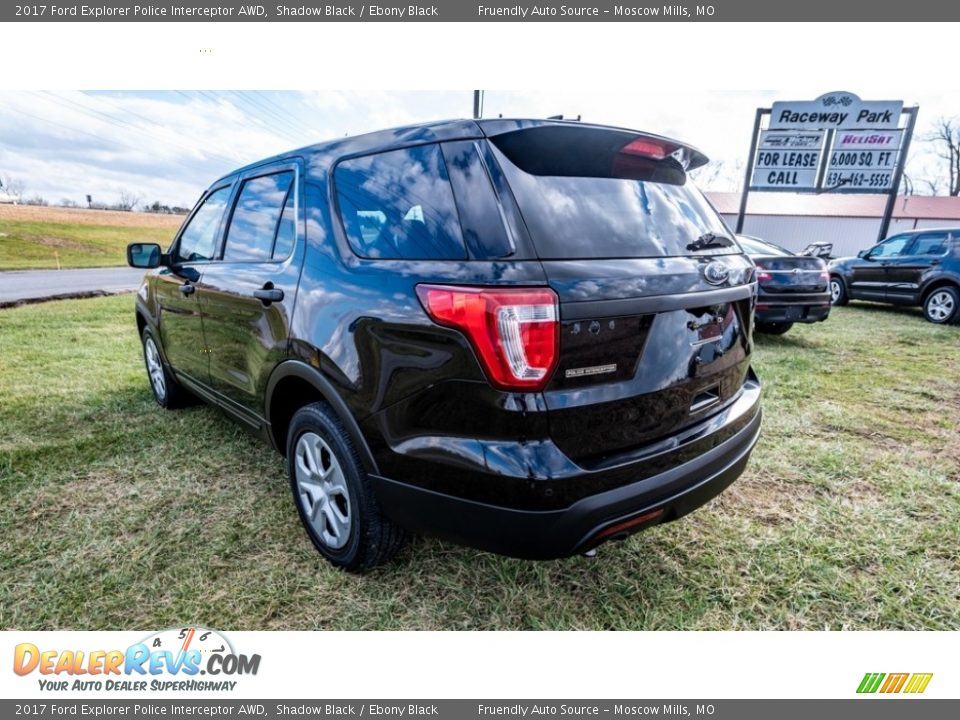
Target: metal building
[850, 222]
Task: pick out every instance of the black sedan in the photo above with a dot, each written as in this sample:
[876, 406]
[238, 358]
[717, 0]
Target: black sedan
[792, 288]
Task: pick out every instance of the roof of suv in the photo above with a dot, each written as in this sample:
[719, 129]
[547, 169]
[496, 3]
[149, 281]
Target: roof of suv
[446, 130]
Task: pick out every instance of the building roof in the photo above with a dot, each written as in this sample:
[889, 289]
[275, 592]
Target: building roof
[833, 205]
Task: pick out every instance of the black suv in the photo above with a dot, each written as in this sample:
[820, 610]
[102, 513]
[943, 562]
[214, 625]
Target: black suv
[920, 267]
[527, 336]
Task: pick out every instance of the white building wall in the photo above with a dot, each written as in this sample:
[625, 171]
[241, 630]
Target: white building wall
[848, 235]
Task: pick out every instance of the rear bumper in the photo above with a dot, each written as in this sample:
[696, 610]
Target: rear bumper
[788, 307]
[706, 465]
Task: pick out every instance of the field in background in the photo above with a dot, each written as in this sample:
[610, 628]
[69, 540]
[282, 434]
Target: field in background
[35, 237]
[118, 514]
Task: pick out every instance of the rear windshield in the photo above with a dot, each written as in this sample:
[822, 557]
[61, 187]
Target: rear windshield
[654, 212]
[755, 246]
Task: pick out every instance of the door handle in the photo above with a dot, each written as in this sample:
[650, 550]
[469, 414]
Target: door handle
[187, 289]
[934, 262]
[268, 294]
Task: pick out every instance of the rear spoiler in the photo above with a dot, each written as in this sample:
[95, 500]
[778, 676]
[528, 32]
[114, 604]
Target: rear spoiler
[548, 136]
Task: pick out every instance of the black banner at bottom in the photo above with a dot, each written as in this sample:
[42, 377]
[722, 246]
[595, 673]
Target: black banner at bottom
[872, 708]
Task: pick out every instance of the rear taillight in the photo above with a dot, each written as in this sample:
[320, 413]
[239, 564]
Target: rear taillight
[763, 276]
[514, 331]
[824, 276]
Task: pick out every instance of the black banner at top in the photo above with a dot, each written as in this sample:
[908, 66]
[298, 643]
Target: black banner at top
[480, 10]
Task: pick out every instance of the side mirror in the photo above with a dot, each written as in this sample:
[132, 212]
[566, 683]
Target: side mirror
[144, 255]
[862, 254]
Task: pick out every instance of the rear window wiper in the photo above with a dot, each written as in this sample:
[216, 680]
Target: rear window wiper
[710, 240]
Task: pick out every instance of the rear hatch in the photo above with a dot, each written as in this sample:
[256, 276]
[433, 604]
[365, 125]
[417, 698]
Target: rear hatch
[656, 299]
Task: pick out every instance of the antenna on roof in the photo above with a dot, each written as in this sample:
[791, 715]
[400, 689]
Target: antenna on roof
[560, 117]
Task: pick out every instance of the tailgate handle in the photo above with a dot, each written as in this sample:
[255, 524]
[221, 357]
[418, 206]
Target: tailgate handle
[705, 398]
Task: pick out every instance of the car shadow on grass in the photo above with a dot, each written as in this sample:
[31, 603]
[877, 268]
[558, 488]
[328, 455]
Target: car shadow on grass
[787, 340]
[885, 309]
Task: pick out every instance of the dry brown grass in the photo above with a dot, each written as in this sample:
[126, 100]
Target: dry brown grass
[80, 216]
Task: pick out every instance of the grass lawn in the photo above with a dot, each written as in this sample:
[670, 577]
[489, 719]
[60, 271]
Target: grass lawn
[37, 237]
[118, 514]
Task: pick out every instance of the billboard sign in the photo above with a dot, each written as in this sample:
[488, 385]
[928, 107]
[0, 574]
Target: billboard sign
[836, 111]
[863, 160]
[787, 160]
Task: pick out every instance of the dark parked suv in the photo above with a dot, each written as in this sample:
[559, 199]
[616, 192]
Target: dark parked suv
[920, 267]
[527, 336]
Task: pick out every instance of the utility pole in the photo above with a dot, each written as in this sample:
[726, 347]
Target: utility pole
[477, 104]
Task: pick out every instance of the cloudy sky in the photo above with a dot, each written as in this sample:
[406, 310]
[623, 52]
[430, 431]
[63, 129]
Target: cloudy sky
[169, 146]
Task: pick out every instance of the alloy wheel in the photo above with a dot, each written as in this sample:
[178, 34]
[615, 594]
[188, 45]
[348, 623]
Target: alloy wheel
[155, 368]
[835, 290]
[322, 487]
[940, 306]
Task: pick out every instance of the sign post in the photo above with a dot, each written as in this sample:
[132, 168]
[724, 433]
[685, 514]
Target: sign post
[898, 173]
[836, 143]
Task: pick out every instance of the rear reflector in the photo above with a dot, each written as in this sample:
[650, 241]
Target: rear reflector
[628, 524]
[514, 331]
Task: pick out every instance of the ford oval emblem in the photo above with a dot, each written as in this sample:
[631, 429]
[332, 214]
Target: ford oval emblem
[716, 273]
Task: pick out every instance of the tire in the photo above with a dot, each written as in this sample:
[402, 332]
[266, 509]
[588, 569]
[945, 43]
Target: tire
[774, 328]
[329, 484]
[168, 393]
[942, 305]
[838, 291]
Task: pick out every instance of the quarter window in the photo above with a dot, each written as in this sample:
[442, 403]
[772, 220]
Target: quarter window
[257, 219]
[198, 241]
[399, 205]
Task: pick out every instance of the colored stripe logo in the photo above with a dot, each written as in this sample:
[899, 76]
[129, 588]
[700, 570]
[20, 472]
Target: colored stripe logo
[913, 683]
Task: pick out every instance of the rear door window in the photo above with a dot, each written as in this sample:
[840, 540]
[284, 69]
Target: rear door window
[930, 244]
[257, 221]
[399, 204]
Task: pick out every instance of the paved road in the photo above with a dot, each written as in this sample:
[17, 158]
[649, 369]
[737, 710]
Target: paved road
[37, 284]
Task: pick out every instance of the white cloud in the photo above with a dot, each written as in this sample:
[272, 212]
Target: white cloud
[170, 145]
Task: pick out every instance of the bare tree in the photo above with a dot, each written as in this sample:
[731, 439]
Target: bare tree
[14, 187]
[710, 175]
[128, 201]
[945, 139]
[931, 185]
